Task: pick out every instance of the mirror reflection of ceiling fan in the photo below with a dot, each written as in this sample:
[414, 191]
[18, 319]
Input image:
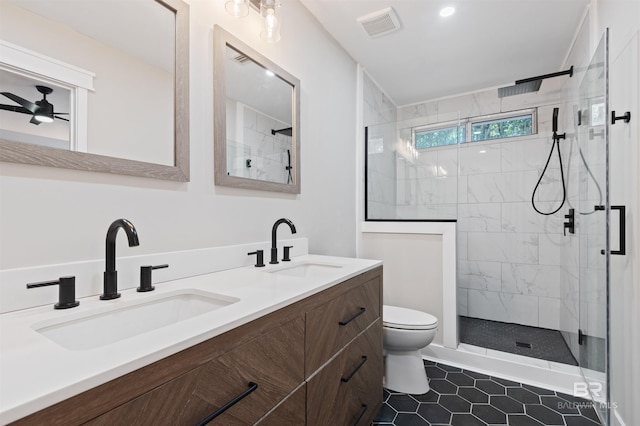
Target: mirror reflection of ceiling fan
[41, 111]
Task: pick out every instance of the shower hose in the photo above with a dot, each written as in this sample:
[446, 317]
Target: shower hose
[556, 143]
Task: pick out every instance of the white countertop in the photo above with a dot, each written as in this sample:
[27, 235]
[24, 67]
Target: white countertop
[36, 373]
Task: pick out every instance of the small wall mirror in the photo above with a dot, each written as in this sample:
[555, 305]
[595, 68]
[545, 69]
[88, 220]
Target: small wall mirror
[118, 97]
[256, 108]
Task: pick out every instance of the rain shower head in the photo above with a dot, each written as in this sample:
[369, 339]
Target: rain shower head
[519, 89]
[529, 85]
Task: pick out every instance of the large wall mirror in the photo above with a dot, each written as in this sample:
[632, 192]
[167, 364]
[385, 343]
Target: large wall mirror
[96, 85]
[256, 108]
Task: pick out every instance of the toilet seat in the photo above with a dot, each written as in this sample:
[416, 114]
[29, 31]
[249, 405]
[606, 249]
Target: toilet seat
[407, 319]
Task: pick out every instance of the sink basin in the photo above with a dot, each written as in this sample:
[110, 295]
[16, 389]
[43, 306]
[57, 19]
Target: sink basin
[307, 269]
[132, 319]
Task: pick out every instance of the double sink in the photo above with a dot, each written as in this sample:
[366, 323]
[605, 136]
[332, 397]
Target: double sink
[132, 318]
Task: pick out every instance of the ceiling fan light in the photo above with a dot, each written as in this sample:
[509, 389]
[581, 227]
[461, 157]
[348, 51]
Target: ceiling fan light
[43, 118]
[44, 112]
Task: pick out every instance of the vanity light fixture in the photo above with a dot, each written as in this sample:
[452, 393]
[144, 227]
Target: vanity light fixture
[270, 12]
[237, 8]
[447, 11]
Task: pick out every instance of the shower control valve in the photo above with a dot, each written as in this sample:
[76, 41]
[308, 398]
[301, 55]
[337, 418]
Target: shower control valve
[570, 224]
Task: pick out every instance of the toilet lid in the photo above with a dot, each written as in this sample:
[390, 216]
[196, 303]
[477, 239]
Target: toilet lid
[397, 317]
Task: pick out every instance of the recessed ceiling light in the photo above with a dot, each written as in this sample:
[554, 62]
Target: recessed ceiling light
[447, 11]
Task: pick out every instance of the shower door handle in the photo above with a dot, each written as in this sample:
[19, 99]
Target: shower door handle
[623, 225]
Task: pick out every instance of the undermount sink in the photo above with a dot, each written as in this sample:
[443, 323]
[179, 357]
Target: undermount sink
[307, 269]
[132, 319]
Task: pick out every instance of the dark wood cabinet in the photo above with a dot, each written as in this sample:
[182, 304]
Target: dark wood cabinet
[297, 356]
[348, 390]
[192, 397]
[332, 325]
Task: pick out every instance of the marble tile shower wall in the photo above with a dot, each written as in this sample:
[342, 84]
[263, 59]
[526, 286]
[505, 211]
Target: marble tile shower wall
[267, 152]
[379, 115]
[514, 265]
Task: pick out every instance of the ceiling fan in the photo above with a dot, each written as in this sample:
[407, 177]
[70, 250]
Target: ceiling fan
[42, 111]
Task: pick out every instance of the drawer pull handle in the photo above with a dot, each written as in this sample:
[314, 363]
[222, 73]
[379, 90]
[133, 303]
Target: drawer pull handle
[364, 410]
[356, 315]
[225, 407]
[346, 379]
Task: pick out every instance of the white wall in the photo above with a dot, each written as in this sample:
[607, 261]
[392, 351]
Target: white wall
[412, 270]
[52, 215]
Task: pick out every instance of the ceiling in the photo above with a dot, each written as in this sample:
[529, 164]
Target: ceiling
[486, 43]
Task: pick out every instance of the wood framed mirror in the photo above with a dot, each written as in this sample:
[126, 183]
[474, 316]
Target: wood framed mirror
[127, 111]
[256, 119]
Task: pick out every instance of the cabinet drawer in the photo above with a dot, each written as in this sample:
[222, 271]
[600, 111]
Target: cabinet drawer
[291, 412]
[348, 390]
[192, 397]
[331, 326]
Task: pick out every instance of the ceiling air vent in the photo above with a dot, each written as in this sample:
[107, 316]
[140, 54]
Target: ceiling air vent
[241, 58]
[379, 23]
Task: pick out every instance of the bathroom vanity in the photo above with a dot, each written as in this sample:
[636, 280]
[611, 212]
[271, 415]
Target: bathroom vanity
[298, 343]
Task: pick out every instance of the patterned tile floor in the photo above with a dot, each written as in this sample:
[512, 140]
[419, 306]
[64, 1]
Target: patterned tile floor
[465, 398]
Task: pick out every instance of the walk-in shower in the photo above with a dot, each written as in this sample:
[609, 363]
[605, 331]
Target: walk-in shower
[525, 180]
[509, 268]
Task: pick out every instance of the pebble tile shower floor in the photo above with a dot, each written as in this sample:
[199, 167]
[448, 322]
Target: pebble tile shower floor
[465, 398]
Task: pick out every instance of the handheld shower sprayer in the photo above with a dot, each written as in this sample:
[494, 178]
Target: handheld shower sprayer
[556, 142]
[554, 125]
[288, 167]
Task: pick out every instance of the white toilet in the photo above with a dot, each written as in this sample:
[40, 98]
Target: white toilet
[405, 332]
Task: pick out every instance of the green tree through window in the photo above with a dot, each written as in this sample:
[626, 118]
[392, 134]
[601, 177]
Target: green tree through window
[440, 137]
[503, 128]
[521, 123]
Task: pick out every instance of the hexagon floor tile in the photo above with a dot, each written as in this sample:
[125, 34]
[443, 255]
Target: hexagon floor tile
[466, 398]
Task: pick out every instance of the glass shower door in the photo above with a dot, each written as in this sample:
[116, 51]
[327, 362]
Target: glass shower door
[593, 225]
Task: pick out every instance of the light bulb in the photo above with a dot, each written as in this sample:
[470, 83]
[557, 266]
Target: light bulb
[270, 11]
[237, 8]
[43, 118]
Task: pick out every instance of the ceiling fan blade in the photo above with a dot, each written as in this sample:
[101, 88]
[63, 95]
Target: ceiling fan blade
[15, 108]
[34, 121]
[60, 118]
[25, 103]
[60, 113]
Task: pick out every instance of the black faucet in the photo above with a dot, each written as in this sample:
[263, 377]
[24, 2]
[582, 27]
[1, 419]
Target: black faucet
[110, 273]
[274, 248]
